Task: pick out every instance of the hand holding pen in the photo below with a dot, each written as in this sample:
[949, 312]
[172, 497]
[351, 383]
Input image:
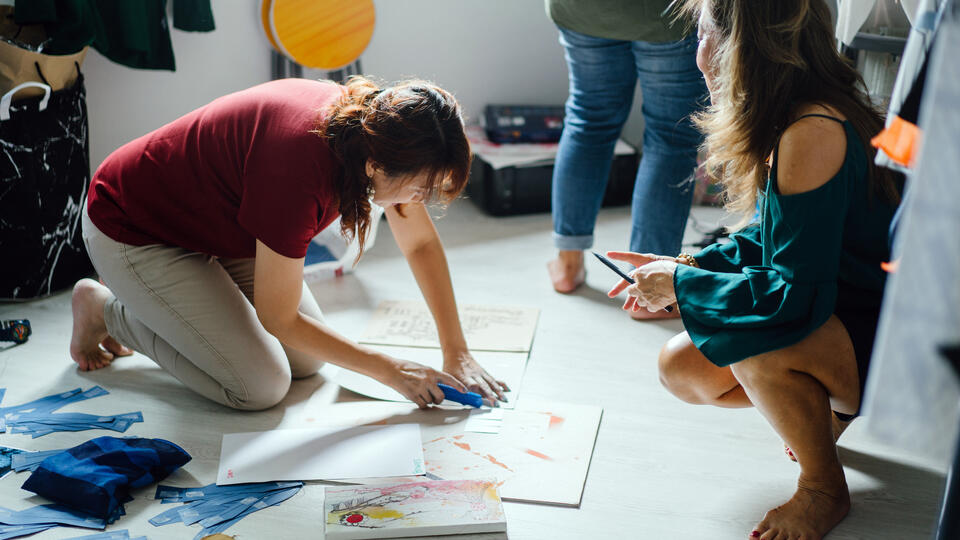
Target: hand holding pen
[650, 285]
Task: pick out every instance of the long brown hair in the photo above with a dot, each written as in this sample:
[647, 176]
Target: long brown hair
[771, 57]
[413, 127]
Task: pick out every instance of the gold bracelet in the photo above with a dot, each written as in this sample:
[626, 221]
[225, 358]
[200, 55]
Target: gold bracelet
[687, 259]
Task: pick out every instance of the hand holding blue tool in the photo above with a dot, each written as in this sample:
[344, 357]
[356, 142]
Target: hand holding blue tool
[620, 273]
[467, 398]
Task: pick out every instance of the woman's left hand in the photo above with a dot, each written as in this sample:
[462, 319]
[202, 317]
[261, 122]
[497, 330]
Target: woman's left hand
[462, 365]
[654, 281]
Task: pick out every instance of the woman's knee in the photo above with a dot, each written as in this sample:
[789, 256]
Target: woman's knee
[676, 369]
[261, 390]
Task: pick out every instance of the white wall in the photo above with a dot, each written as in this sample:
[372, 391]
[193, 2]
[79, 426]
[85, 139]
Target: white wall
[484, 51]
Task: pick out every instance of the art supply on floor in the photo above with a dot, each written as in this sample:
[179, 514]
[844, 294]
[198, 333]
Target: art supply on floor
[505, 366]
[97, 476]
[320, 454]
[486, 327]
[40, 518]
[37, 418]
[217, 508]
[427, 508]
[541, 454]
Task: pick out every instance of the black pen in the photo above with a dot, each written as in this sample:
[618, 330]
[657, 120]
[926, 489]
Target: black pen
[620, 273]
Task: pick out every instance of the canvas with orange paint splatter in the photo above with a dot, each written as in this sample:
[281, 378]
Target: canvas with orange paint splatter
[413, 509]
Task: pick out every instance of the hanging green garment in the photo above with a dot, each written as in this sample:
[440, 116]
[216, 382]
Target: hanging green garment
[132, 33]
[628, 20]
[776, 282]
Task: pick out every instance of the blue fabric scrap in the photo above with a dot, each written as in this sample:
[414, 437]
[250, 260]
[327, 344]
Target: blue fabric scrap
[96, 477]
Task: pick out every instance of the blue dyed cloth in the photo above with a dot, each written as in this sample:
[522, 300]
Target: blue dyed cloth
[96, 477]
[37, 418]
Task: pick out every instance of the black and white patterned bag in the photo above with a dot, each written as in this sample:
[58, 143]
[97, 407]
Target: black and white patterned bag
[44, 173]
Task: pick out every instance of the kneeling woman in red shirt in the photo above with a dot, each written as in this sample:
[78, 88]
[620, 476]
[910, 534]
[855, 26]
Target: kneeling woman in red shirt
[199, 231]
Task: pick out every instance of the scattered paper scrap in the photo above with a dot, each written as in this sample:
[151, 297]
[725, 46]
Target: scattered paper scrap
[30, 461]
[413, 509]
[37, 418]
[217, 508]
[484, 421]
[122, 534]
[7, 456]
[321, 454]
[40, 518]
[486, 327]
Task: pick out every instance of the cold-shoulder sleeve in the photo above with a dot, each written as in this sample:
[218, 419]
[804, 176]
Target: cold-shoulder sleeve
[743, 249]
[739, 304]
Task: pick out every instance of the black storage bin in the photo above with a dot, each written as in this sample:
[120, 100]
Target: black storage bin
[526, 190]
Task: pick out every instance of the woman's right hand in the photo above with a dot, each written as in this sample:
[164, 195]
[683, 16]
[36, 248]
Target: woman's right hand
[418, 382]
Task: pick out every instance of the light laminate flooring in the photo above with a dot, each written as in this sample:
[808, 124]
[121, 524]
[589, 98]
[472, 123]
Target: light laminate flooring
[661, 469]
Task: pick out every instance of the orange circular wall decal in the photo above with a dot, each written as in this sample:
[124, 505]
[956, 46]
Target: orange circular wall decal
[321, 34]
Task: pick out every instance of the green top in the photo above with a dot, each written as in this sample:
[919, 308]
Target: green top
[776, 282]
[628, 20]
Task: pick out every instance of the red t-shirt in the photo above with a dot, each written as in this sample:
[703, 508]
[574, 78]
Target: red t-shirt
[242, 168]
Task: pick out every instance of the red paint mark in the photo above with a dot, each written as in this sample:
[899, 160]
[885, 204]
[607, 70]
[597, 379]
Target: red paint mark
[555, 421]
[466, 468]
[458, 437]
[534, 453]
[229, 473]
[493, 460]
[463, 445]
[310, 419]
[354, 518]
[435, 440]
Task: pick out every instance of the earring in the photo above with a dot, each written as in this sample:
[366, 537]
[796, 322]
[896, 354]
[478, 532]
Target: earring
[370, 191]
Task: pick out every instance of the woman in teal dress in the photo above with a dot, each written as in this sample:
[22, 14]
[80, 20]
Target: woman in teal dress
[784, 316]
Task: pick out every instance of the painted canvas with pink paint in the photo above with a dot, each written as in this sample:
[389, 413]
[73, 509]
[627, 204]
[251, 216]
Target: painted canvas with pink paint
[413, 509]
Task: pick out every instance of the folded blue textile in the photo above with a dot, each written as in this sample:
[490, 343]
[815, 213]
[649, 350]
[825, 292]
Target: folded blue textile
[8, 458]
[96, 477]
[50, 514]
[217, 508]
[16, 531]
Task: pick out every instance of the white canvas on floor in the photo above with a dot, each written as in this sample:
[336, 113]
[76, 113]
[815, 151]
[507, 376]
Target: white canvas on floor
[504, 366]
[320, 454]
[486, 327]
[425, 508]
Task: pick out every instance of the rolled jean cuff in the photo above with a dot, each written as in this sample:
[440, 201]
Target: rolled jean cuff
[571, 243]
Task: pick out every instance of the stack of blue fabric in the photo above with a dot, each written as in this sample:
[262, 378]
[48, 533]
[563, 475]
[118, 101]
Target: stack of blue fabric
[38, 419]
[40, 518]
[96, 477]
[216, 508]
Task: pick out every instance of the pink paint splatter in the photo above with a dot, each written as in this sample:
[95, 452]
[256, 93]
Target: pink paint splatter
[493, 460]
[534, 453]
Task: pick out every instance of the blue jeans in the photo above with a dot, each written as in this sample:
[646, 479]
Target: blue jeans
[603, 75]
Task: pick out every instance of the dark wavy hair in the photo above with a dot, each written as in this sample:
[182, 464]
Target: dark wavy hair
[411, 128]
[773, 56]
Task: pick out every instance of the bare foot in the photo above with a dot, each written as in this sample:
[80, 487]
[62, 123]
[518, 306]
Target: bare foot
[814, 509]
[89, 328]
[644, 314]
[839, 426]
[566, 271]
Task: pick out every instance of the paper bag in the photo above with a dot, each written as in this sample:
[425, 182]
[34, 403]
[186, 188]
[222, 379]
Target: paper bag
[18, 65]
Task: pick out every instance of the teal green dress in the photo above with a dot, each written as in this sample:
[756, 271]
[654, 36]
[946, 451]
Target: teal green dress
[812, 254]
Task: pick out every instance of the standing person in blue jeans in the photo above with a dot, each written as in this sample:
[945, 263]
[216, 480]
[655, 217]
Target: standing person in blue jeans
[610, 45]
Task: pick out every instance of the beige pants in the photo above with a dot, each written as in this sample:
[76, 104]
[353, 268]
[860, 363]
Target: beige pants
[193, 315]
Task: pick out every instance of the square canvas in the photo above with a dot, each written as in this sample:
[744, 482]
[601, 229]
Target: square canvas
[413, 509]
[486, 327]
[320, 454]
[505, 366]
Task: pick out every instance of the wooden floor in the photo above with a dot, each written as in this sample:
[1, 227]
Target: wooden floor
[661, 469]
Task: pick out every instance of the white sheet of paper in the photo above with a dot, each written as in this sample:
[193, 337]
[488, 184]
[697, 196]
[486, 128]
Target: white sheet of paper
[484, 421]
[321, 454]
[504, 366]
[486, 327]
